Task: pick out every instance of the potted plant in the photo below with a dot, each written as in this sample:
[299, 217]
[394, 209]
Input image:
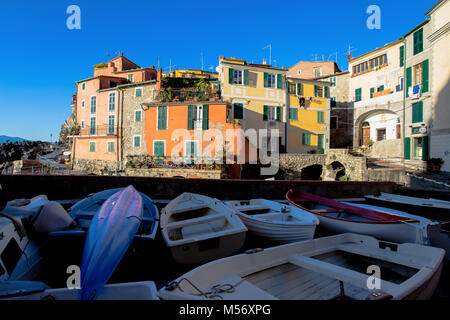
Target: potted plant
[435, 164]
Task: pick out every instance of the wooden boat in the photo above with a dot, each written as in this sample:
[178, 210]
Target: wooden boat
[33, 290]
[344, 217]
[110, 234]
[84, 211]
[334, 267]
[430, 208]
[197, 229]
[275, 221]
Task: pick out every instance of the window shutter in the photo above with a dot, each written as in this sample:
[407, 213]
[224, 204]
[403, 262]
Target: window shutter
[425, 148]
[372, 90]
[205, 119]
[265, 80]
[266, 111]
[381, 88]
[278, 113]
[190, 124]
[246, 77]
[315, 91]
[230, 76]
[420, 38]
[402, 56]
[299, 89]
[279, 81]
[326, 92]
[238, 111]
[407, 151]
[417, 112]
[408, 79]
[193, 153]
[425, 76]
[159, 148]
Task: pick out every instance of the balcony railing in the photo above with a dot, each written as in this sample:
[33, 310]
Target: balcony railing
[100, 130]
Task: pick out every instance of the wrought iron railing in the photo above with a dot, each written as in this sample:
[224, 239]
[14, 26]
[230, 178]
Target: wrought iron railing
[100, 130]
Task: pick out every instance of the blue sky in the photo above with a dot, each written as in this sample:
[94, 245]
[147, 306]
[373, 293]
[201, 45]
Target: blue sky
[41, 58]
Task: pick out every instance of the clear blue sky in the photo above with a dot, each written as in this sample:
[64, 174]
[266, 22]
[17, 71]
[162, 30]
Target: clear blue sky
[41, 59]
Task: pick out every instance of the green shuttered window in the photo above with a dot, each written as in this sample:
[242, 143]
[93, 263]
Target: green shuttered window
[425, 72]
[306, 139]
[327, 94]
[162, 118]
[190, 124]
[408, 79]
[358, 96]
[402, 56]
[266, 112]
[205, 118]
[293, 113]
[91, 146]
[158, 148]
[246, 77]
[238, 111]
[407, 151]
[111, 147]
[320, 117]
[417, 112]
[425, 149]
[278, 113]
[230, 76]
[372, 90]
[418, 41]
[279, 81]
[299, 89]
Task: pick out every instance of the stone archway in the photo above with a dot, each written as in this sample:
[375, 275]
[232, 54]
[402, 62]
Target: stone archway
[361, 124]
[313, 172]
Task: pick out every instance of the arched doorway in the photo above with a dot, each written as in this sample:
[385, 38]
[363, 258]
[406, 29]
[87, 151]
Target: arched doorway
[365, 134]
[313, 172]
[338, 169]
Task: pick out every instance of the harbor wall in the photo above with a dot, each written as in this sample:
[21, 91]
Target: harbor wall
[76, 187]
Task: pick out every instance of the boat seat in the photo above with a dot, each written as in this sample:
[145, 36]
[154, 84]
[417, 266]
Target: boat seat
[184, 223]
[251, 207]
[355, 278]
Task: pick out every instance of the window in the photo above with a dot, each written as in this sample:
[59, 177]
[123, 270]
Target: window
[137, 141]
[334, 122]
[358, 95]
[238, 111]
[292, 88]
[138, 116]
[82, 103]
[417, 112]
[417, 74]
[162, 118]
[110, 124]
[318, 91]
[272, 113]
[198, 117]
[270, 81]
[299, 72]
[82, 124]
[92, 128]
[381, 134]
[306, 139]
[320, 117]
[317, 72]
[293, 113]
[191, 149]
[112, 101]
[111, 147]
[130, 77]
[418, 41]
[93, 104]
[380, 88]
[83, 86]
[237, 77]
[92, 146]
[159, 147]
[333, 81]
[402, 56]
[333, 102]
[138, 92]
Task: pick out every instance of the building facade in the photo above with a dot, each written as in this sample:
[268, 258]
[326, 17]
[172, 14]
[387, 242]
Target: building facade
[312, 69]
[309, 116]
[256, 93]
[376, 89]
[439, 41]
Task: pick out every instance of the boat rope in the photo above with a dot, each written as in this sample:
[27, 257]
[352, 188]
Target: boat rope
[213, 293]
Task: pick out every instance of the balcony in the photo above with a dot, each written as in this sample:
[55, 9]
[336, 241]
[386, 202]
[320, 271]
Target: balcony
[100, 130]
[384, 98]
[187, 89]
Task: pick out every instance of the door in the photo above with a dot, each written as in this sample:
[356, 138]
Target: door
[365, 135]
[418, 148]
[321, 142]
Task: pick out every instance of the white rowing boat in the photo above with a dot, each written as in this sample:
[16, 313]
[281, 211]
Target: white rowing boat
[319, 269]
[197, 229]
[275, 221]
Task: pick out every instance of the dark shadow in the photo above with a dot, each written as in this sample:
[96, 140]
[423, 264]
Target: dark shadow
[313, 172]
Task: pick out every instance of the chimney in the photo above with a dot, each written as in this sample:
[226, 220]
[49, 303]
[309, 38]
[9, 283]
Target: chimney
[158, 80]
[264, 61]
[283, 67]
[350, 57]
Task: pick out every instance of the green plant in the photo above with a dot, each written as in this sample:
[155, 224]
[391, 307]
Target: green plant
[370, 143]
[101, 65]
[344, 178]
[436, 161]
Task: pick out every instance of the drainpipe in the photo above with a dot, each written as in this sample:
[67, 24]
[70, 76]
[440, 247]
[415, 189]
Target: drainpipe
[117, 133]
[405, 88]
[121, 130]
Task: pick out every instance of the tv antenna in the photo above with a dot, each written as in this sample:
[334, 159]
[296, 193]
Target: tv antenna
[270, 52]
[315, 56]
[170, 65]
[201, 55]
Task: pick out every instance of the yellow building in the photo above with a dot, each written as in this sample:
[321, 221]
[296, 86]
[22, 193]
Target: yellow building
[193, 73]
[309, 115]
[257, 93]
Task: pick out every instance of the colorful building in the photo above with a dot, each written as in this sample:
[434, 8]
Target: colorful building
[312, 69]
[308, 126]
[256, 93]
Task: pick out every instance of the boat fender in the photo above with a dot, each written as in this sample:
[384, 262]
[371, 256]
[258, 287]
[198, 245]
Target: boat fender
[255, 250]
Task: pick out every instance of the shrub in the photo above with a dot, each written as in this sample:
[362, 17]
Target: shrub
[101, 65]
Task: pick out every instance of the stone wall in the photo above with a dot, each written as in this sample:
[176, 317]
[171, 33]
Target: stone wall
[100, 167]
[175, 172]
[386, 149]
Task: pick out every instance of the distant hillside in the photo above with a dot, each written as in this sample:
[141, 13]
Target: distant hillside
[11, 139]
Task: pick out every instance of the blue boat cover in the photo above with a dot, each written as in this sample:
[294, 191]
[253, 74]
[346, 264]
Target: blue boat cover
[110, 234]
